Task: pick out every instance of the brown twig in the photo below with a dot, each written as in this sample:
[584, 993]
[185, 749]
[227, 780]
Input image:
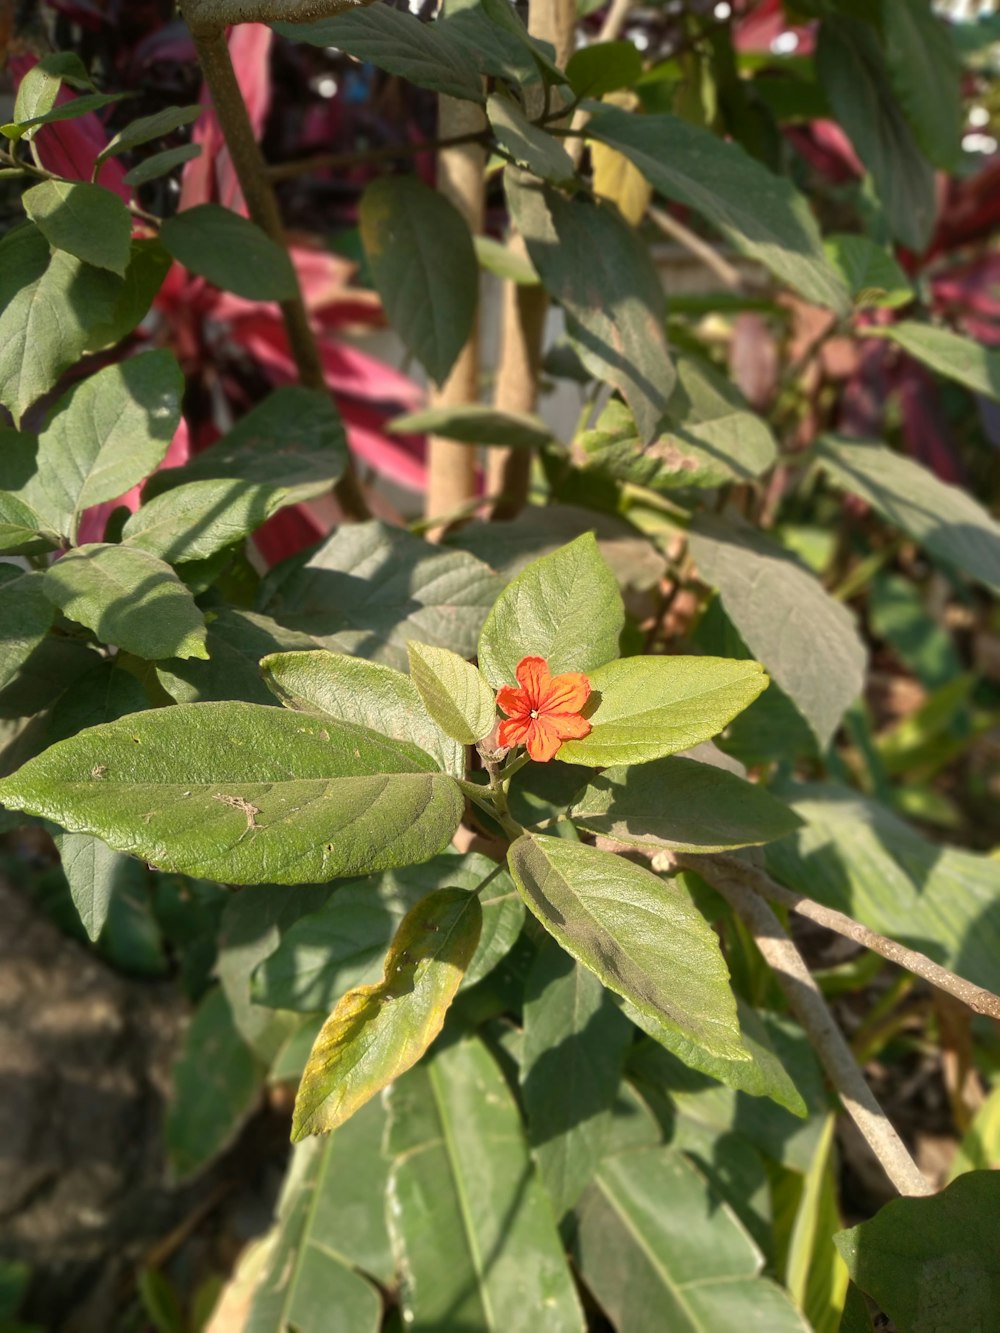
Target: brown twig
[217, 67]
[387, 153]
[728, 274]
[809, 1007]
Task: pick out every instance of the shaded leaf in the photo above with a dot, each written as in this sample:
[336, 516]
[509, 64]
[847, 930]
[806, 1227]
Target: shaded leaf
[91, 869]
[236, 641]
[147, 128]
[148, 265]
[926, 75]
[87, 220]
[807, 641]
[453, 691]
[638, 933]
[244, 793]
[602, 67]
[871, 273]
[231, 252]
[200, 519]
[564, 607]
[377, 1032]
[529, 145]
[161, 164]
[26, 616]
[474, 423]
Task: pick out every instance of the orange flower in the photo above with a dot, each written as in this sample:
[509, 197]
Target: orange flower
[545, 711]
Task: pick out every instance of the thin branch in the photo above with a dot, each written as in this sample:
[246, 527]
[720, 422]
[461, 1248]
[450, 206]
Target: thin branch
[728, 274]
[810, 1008]
[208, 16]
[976, 997]
[386, 153]
[217, 68]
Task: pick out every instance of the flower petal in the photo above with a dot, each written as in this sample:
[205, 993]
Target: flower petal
[533, 673]
[568, 726]
[513, 701]
[543, 740]
[565, 694]
[515, 731]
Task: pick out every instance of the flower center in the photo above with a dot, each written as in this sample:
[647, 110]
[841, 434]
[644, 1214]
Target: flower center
[533, 713]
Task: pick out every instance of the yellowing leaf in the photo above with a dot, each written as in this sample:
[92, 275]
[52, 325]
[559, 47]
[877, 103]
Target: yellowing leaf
[615, 177]
[378, 1032]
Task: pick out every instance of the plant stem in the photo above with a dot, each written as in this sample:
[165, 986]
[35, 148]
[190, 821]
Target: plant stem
[386, 153]
[807, 1003]
[217, 67]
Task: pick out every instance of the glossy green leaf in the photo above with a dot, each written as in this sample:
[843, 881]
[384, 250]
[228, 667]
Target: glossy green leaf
[91, 869]
[50, 305]
[471, 1226]
[236, 641]
[244, 793]
[951, 354]
[857, 856]
[420, 253]
[529, 145]
[644, 708]
[129, 599]
[761, 214]
[377, 1032]
[26, 615]
[595, 266]
[231, 252]
[474, 423]
[945, 520]
[146, 128]
[926, 76]
[367, 693]
[638, 933]
[108, 433]
[575, 1038]
[292, 442]
[808, 642]
[330, 1217]
[872, 275]
[453, 691]
[371, 588]
[87, 220]
[343, 942]
[216, 1087]
[399, 43]
[603, 67]
[853, 73]
[931, 1263]
[681, 804]
[565, 607]
[161, 164]
[658, 1251]
[708, 436]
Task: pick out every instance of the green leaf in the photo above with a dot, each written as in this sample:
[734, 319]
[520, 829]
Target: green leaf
[761, 214]
[603, 67]
[926, 75]
[38, 90]
[231, 252]
[638, 933]
[594, 264]
[853, 74]
[236, 641]
[292, 442]
[424, 267]
[499, 259]
[88, 221]
[108, 433]
[945, 520]
[643, 708]
[871, 273]
[21, 529]
[216, 1087]
[474, 423]
[244, 794]
[471, 1227]
[148, 266]
[425, 54]
[79, 106]
[129, 599]
[91, 869]
[453, 691]
[651, 1236]
[961, 359]
[366, 693]
[161, 164]
[330, 1216]
[26, 615]
[529, 145]
[681, 804]
[808, 642]
[106, 692]
[146, 128]
[931, 1263]
[575, 1039]
[50, 306]
[504, 20]
[708, 436]
[371, 588]
[858, 857]
[376, 1033]
[197, 520]
[342, 943]
[565, 607]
